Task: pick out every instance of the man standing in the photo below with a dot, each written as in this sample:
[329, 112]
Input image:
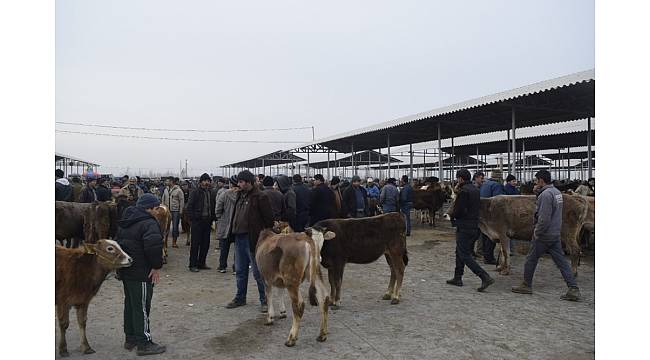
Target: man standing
[373, 196]
[174, 199]
[139, 235]
[288, 200]
[406, 202]
[322, 203]
[253, 213]
[546, 238]
[389, 196]
[355, 199]
[303, 199]
[131, 191]
[511, 186]
[489, 188]
[200, 208]
[76, 188]
[103, 192]
[335, 186]
[224, 211]
[465, 217]
[88, 194]
[62, 188]
[274, 195]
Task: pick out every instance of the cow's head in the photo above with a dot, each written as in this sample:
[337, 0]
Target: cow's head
[109, 254]
[319, 235]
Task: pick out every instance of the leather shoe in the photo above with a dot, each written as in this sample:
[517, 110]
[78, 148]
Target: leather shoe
[193, 269]
[455, 281]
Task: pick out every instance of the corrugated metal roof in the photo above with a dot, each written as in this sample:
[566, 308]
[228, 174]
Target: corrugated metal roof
[58, 156]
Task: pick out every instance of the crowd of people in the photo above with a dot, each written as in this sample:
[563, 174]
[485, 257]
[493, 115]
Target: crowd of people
[245, 204]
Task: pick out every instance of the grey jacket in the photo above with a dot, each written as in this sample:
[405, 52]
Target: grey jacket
[174, 199]
[389, 195]
[548, 214]
[224, 211]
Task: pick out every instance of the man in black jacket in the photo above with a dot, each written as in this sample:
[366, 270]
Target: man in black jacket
[465, 217]
[88, 193]
[355, 199]
[322, 204]
[303, 200]
[62, 187]
[139, 236]
[103, 193]
[200, 208]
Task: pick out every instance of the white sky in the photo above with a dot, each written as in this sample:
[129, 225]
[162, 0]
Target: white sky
[269, 64]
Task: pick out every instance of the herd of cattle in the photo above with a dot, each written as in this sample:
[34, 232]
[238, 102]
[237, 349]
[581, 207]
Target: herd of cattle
[286, 259]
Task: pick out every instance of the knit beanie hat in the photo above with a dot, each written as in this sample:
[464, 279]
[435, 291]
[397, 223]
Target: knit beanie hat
[268, 181]
[147, 201]
[205, 176]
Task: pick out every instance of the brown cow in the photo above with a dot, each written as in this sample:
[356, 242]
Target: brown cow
[506, 217]
[362, 241]
[83, 221]
[285, 261]
[430, 198]
[186, 224]
[588, 232]
[164, 218]
[79, 273]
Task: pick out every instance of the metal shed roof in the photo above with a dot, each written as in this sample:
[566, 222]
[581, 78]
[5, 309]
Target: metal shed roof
[59, 156]
[561, 99]
[275, 158]
[360, 159]
[571, 155]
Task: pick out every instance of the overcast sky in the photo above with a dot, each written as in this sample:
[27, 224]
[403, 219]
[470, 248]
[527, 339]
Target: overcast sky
[277, 64]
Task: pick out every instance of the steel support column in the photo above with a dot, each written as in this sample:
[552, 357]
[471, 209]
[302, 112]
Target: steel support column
[388, 143]
[410, 162]
[514, 139]
[440, 174]
[354, 170]
[589, 162]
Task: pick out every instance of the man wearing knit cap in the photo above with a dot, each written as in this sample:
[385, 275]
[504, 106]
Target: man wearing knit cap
[200, 208]
[139, 235]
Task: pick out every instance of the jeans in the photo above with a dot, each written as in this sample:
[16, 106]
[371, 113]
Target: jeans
[488, 248]
[224, 249]
[176, 218]
[200, 242]
[554, 248]
[465, 239]
[406, 210]
[243, 258]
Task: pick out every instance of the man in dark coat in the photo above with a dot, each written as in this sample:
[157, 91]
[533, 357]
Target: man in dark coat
[322, 203]
[406, 202]
[274, 195]
[465, 217]
[288, 200]
[303, 200]
[103, 193]
[88, 193]
[200, 208]
[510, 187]
[355, 199]
[62, 187]
[253, 213]
[139, 236]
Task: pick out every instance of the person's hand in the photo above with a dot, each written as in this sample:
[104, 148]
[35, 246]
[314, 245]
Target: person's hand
[154, 275]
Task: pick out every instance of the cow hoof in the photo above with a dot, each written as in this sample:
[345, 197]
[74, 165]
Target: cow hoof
[64, 353]
[321, 338]
[89, 351]
[387, 297]
[290, 343]
[394, 302]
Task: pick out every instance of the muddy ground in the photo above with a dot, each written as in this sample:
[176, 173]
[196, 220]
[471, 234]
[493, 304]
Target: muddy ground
[433, 320]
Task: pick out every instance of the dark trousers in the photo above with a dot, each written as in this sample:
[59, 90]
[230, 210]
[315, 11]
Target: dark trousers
[554, 248]
[200, 242]
[176, 218]
[301, 221]
[488, 248]
[406, 210]
[465, 239]
[224, 250]
[244, 258]
[137, 307]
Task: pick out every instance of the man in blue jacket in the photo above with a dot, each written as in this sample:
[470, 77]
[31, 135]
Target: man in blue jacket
[511, 186]
[489, 188]
[546, 238]
[406, 202]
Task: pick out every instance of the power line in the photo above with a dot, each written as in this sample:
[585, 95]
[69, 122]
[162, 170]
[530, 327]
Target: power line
[179, 139]
[183, 130]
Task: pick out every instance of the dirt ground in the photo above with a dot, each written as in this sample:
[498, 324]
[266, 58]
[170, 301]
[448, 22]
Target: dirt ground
[433, 321]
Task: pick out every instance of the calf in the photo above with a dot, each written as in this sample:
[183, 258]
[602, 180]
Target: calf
[79, 273]
[362, 241]
[164, 218]
[285, 261]
[430, 198]
[83, 221]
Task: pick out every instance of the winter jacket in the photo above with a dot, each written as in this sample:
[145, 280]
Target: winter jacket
[174, 198]
[406, 195]
[508, 189]
[87, 195]
[467, 207]
[322, 204]
[288, 200]
[139, 236]
[389, 196]
[196, 202]
[349, 203]
[224, 211]
[373, 192]
[276, 201]
[131, 194]
[548, 214]
[491, 188]
[76, 190]
[253, 213]
[103, 193]
[62, 190]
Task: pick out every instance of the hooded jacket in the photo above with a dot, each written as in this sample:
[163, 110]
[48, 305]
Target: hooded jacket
[139, 236]
[322, 204]
[491, 188]
[288, 200]
[548, 214]
[174, 198]
[62, 190]
[389, 196]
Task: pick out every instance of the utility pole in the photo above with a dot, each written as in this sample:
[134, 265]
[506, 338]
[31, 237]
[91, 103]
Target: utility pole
[313, 137]
[186, 168]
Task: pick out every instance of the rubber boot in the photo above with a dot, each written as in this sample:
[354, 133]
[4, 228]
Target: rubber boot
[486, 281]
[457, 281]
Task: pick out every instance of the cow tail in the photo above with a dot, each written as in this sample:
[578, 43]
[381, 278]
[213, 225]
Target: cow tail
[405, 258]
[314, 275]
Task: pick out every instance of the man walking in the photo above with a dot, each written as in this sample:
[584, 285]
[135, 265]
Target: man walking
[355, 199]
[200, 208]
[253, 213]
[174, 199]
[303, 199]
[322, 203]
[465, 217]
[546, 238]
[406, 202]
[389, 196]
[139, 235]
[62, 187]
